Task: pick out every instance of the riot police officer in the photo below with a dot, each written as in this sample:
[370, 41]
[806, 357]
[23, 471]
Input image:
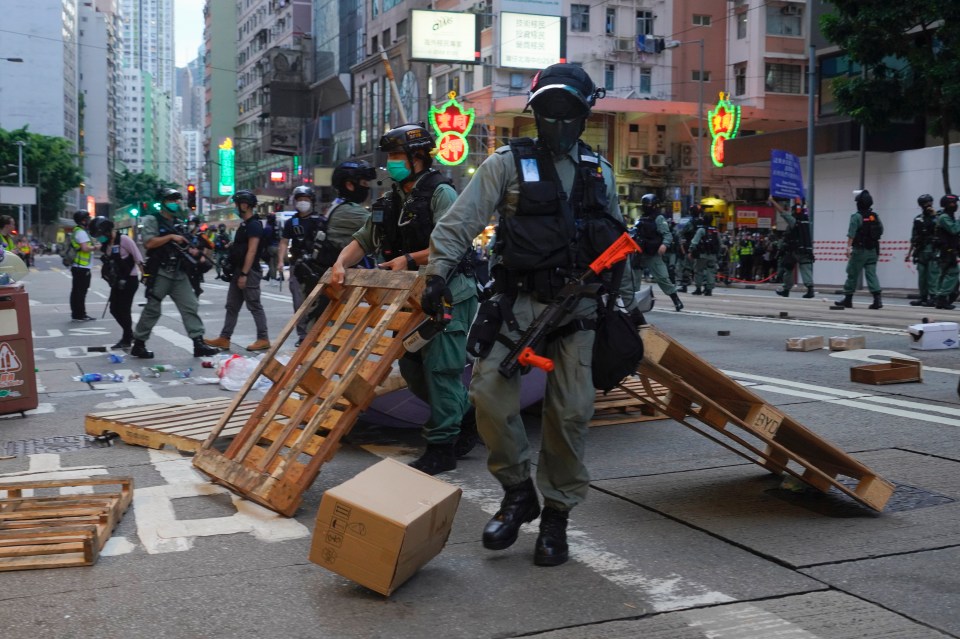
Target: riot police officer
[863, 250]
[399, 230]
[796, 248]
[924, 253]
[527, 184]
[705, 250]
[948, 242]
[683, 239]
[652, 234]
[169, 263]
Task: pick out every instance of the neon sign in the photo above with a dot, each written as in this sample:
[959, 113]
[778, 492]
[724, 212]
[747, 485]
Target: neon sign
[452, 125]
[227, 164]
[724, 125]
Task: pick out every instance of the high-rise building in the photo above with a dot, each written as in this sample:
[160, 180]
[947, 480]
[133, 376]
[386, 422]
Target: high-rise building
[220, 95]
[148, 34]
[193, 155]
[138, 133]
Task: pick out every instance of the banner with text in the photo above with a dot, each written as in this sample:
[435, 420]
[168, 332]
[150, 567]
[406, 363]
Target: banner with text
[786, 178]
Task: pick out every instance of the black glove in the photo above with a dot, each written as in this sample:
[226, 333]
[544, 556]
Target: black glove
[437, 300]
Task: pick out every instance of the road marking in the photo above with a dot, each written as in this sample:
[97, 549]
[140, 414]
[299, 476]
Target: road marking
[44, 466]
[51, 332]
[839, 326]
[743, 621]
[868, 355]
[175, 338]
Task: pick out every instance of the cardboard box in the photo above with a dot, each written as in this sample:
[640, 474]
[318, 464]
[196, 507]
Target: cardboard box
[380, 527]
[805, 343]
[934, 336]
[847, 342]
[898, 370]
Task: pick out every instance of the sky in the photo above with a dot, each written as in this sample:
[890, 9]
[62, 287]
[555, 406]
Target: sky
[187, 29]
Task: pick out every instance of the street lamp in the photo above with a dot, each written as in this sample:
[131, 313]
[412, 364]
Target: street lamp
[20, 144]
[671, 45]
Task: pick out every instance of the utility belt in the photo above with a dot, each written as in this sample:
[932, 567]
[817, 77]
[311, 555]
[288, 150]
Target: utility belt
[544, 285]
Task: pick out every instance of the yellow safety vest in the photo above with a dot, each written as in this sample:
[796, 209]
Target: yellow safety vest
[83, 257]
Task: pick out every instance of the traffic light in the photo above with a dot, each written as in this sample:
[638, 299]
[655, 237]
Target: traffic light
[134, 211]
[192, 196]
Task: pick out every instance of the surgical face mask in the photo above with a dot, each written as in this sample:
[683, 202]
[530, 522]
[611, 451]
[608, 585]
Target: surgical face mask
[173, 207]
[398, 170]
[102, 239]
[559, 135]
[304, 206]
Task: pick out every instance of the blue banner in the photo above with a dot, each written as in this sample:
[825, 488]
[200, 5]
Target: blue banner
[786, 179]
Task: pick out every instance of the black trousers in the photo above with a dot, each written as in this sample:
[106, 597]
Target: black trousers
[78, 292]
[121, 303]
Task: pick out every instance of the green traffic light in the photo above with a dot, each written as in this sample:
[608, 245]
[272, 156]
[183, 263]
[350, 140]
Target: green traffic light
[134, 211]
[156, 206]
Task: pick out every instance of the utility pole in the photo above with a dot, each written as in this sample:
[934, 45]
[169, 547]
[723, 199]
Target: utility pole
[20, 144]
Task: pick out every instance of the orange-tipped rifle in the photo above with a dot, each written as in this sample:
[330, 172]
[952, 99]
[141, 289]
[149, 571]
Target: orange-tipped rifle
[523, 352]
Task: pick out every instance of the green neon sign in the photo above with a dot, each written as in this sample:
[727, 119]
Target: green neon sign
[452, 124]
[724, 125]
[227, 168]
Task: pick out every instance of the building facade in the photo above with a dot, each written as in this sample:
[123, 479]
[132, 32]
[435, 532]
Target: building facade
[220, 93]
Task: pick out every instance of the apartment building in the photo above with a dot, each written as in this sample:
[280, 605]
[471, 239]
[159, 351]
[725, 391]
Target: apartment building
[220, 92]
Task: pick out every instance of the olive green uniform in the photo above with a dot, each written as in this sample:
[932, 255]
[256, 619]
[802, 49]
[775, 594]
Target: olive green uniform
[949, 272]
[435, 373]
[654, 263]
[568, 401]
[862, 260]
[925, 257]
[705, 264]
[803, 258]
[168, 281]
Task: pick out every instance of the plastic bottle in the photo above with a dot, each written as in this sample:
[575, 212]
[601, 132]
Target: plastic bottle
[149, 371]
[163, 368]
[114, 377]
[91, 377]
[115, 358]
[184, 373]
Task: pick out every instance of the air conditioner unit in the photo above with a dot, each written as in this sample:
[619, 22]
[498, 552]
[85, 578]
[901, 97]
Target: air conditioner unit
[686, 155]
[791, 10]
[623, 189]
[624, 44]
[657, 160]
[635, 162]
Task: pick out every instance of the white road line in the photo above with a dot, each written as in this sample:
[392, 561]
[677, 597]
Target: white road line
[743, 621]
[839, 326]
[175, 338]
[868, 355]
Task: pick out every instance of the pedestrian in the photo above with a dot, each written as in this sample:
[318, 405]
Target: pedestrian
[652, 234]
[947, 239]
[25, 251]
[399, 230]
[863, 250]
[245, 252]
[221, 246]
[315, 240]
[683, 238]
[705, 249]
[80, 269]
[271, 241]
[797, 247]
[7, 233]
[746, 257]
[120, 268]
[924, 253]
[198, 240]
[525, 184]
[166, 273]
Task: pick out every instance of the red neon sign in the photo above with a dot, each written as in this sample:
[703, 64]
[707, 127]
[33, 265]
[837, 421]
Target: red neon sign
[452, 124]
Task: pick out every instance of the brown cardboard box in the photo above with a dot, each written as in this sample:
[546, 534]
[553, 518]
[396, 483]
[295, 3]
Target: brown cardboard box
[384, 524]
[847, 342]
[805, 343]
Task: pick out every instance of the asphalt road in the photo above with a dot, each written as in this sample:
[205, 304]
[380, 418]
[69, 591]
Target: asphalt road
[679, 538]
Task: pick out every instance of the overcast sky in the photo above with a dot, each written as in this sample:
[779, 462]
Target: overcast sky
[188, 29]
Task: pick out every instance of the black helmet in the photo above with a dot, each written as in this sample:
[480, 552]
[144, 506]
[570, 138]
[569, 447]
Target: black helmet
[194, 219]
[406, 139]
[925, 200]
[170, 194]
[305, 191]
[351, 171]
[101, 226]
[864, 200]
[222, 228]
[649, 203]
[695, 210]
[245, 197]
[80, 216]
[563, 91]
[949, 202]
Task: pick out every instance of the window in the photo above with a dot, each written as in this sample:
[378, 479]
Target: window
[701, 21]
[609, 71]
[785, 21]
[401, 29]
[374, 45]
[468, 81]
[610, 26]
[741, 25]
[644, 22]
[695, 75]
[516, 80]
[784, 78]
[580, 18]
[487, 70]
[645, 82]
[740, 80]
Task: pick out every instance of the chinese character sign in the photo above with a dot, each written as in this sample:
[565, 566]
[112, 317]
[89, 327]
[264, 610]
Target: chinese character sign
[724, 122]
[452, 124]
[225, 187]
[786, 178]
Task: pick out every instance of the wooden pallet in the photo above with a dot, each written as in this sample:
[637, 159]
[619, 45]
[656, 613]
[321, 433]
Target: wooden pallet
[184, 425]
[621, 405]
[317, 396]
[747, 425]
[59, 531]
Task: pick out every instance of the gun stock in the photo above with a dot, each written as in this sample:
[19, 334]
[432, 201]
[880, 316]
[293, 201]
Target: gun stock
[619, 250]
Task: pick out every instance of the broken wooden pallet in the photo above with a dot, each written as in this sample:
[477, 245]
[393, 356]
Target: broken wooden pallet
[747, 425]
[621, 405]
[59, 531]
[317, 396]
[184, 425]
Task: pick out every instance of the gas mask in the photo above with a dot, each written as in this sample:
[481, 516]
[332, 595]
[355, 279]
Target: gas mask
[559, 135]
[303, 206]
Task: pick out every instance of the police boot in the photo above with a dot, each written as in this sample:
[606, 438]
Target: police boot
[201, 349]
[436, 459]
[551, 549]
[809, 294]
[520, 505]
[682, 289]
[944, 302]
[877, 302]
[139, 349]
[677, 304]
[846, 301]
[918, 302]
[929, 302]
[469, 437]
[707, 292]
[697, 291]
[782, 292]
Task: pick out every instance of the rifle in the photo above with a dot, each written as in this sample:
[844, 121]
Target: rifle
[523, 352]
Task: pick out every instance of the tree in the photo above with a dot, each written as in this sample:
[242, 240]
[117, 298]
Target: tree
[912, 62]
[131, 187]
[48, 162]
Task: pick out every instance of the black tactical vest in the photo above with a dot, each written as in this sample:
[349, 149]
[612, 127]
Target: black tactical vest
[868, 235]
[647, 235]
[924, 227]
[405, 227]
